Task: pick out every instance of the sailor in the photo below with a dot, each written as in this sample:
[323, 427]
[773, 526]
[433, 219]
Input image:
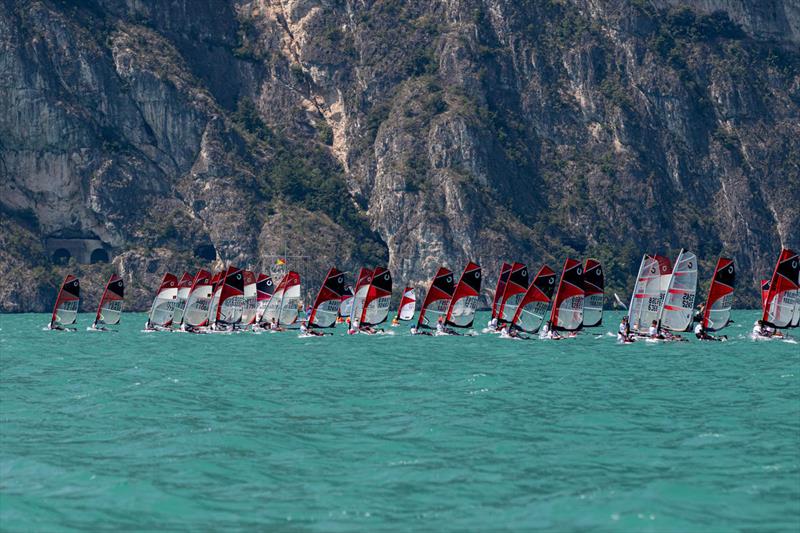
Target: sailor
[303, 327]
[624, 332]
[698, 315]
[654, 331]
[493, 323]
[440, 326]
[396, 321]
[504, 331]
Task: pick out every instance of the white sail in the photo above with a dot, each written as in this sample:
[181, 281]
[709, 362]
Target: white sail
[648, 293]
[163, 308]
[289, 303]
[358, 303]
[197, 306]
[180, 304]
[678, 305]
[250, 306]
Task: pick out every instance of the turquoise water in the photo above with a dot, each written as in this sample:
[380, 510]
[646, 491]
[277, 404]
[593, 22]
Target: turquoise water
[166, 430]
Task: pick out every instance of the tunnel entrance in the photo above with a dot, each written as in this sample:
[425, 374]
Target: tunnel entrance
[61, 256]
[98, 256]
[206, 251]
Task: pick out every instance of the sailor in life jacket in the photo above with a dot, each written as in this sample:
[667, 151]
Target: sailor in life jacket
[624, 328]
[493, 323]
[440, 325]
[653, 331]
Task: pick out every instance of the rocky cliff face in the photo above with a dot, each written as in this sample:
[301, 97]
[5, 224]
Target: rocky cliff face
[412, 133]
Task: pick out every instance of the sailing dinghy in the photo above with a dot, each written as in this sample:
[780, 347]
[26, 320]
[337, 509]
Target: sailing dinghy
[717, 310]
[195, 314]
[593, 288]
[109, 309]
[437, 300]
[514, 290]
[163, 308]
[377, 299]
[326, 305]
[264, 290]
[645, 306]
[360, 294]
[408, 304]
[282, 307]
[505, 270]
[567, 313]
[464, 303]
[231, 300]
[780, 304]
[184, 287]
[249, 299]
[536, 302]
[65, 310]
[678, 304]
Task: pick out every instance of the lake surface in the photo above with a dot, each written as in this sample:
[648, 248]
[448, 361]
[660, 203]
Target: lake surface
[380, 433]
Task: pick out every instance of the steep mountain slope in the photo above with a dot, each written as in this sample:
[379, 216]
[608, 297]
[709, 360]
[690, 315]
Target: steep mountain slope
[414, 133]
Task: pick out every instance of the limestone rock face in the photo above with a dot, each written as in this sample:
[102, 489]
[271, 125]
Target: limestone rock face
[411, 134]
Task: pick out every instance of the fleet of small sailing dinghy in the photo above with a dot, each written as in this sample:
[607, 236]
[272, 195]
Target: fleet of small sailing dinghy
[546, 306]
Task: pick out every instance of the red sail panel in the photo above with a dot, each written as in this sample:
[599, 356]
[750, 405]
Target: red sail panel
[464, 303]
[515, 289]
[110, 307]
[437, 300]
[505, 270]
[326, 304]
[229, 308]
[378, 298]
[764, 292]
[567, 312]
[65, 310]
[717, 311]
[781, 298]
[534, 304]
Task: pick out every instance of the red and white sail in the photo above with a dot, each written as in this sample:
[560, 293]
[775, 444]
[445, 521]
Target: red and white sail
[65, 310]
[464, 303]
[326, 305]
[283, 304]
[249, 298]
[779, 307]
[231, 297]
[505, 270]
[163, 308]
[717, 311]
[264, 290]
[378, 298]
[677, 307]
[649, 291]
[594, 288]
[437, 300]
[567, 314]
[515, 289]
[535, 303]
[109, 310]
[408, 304]
[195, 313]
[184, 287]
[360, 294]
